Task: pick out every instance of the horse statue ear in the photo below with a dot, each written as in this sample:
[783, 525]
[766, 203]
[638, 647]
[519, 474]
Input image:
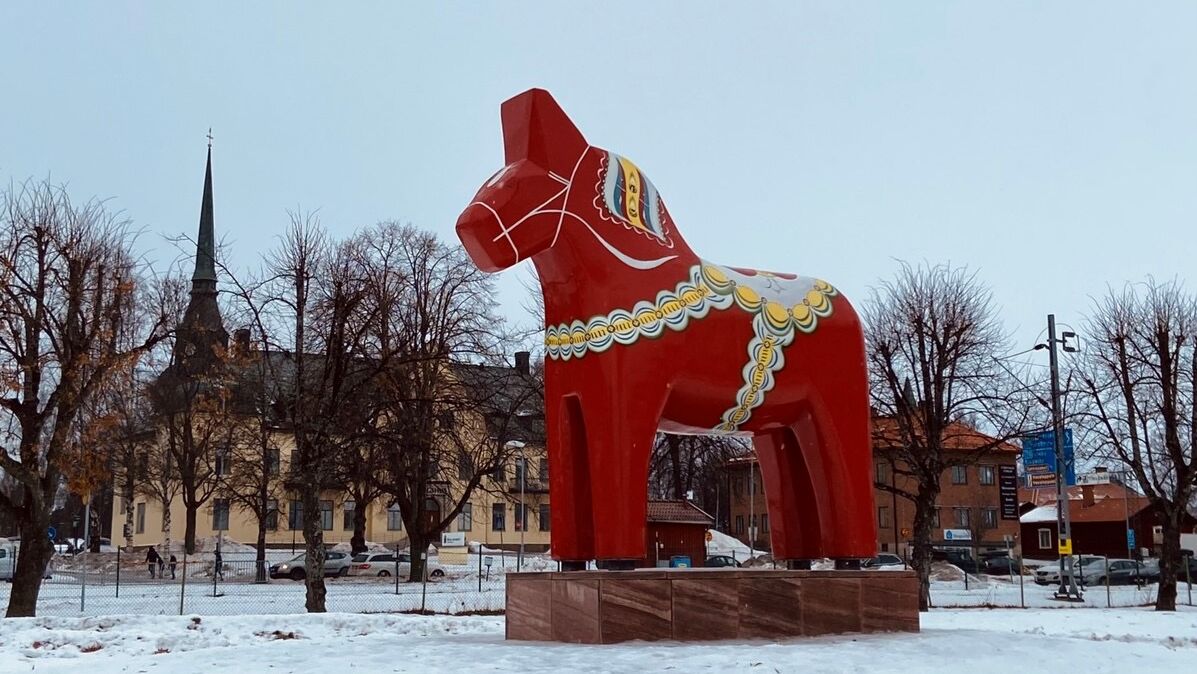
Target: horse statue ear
[537, 129]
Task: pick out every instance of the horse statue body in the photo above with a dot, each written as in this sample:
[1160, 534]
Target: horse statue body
[643, 335]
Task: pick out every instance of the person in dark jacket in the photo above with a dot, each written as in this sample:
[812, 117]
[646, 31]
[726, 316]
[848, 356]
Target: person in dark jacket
[152, 559]
[173, 563]
[219, 565]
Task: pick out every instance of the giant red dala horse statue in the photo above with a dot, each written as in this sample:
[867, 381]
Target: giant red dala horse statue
[643, 335]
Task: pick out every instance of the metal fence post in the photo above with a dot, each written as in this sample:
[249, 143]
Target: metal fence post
[1022, 599]
[424, 585]
[118, 573]
[183, 585]
[480, 568]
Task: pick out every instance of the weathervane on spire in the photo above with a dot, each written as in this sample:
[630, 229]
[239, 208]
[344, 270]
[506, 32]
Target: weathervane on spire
[209, 138]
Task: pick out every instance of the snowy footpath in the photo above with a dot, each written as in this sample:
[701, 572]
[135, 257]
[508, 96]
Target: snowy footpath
[976, 641]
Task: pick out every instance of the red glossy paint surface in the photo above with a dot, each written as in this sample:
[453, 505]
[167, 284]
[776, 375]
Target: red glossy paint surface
[551, 204]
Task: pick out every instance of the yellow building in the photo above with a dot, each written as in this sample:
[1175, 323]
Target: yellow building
[509, 507]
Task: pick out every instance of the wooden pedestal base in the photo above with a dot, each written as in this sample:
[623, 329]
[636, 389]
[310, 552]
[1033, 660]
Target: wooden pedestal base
[603, 607]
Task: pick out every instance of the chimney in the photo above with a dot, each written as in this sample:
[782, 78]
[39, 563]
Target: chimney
[1086, 495]
[241, 340]
[523, 362]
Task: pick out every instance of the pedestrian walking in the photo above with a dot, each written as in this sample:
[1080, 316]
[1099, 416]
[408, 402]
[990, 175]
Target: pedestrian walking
[219, 565]
[152, 559]
[173, 563]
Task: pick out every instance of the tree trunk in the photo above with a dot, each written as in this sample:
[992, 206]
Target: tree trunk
[313, 538]
[129, 506]
[358, 541]
[189, 528]
[32, 559]
[166, 526]
[94, 544]
[920, 560]
[674, 443]
[260, 558]
[1170, 560]
[419, 548]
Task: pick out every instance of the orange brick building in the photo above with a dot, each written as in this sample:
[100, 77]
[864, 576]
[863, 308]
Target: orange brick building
[977, 506]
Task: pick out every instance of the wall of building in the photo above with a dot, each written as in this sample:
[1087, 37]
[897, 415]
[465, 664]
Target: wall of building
[478, 522]
[894, 515]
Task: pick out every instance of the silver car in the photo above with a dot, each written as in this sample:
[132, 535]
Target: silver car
[1087, 568]
[335, 564]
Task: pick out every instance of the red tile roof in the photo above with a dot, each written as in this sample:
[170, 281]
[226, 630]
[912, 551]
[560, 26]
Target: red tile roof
[1041, 496]
[957, 435]
[680, 512]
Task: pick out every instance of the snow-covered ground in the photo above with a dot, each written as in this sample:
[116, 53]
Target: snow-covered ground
[976, 641]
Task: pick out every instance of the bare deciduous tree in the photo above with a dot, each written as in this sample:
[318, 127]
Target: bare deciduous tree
[934, 337]
[1140, 372]
[69, 289]
[449, 417]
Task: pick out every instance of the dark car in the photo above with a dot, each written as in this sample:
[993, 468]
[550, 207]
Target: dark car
[883, 559]
[720, 561]
[1002, 566]
[961, 559]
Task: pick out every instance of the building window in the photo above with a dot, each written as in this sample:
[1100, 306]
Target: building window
[521, 471]
[544, 517]
[295, 516]
[880, 475]
[394, 518]
[739, 524]
[1045, 539]
[465, 518]
[544, 471]
[272, 514]
[220, 514]
[498, 517]
[935, 518]
[272, 462]
[222, 461]
[764, 524]
[141, 518]
[959, 474]
[985, 475]
[326, 515]
[465, 465]
[989, 518]
[738, 486]
[883, 517]
[962, 518]
[347, 519]
[521, 517]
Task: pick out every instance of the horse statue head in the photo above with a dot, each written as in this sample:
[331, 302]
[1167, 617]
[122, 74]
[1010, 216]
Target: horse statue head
[554, 186]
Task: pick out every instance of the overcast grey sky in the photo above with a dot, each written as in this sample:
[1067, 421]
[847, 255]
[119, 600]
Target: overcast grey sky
[1050, 146]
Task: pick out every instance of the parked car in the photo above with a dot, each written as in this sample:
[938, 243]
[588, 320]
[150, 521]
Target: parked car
[882, 559]
[959, 557]
[385, 564]
[335, 564]
[721, 561]
[1131, 572]
[1002, 566]
[1088, 569]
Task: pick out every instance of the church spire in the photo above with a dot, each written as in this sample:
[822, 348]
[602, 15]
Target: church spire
[204, 277]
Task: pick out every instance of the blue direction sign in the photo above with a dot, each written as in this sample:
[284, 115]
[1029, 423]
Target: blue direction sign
[53, 533]
[1039, 459]
[1130, 539]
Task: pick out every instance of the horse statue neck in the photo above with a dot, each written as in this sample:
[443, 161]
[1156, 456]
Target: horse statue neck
[600, 262]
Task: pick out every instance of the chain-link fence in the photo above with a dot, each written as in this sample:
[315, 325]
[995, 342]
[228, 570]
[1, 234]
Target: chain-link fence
[110, 583]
